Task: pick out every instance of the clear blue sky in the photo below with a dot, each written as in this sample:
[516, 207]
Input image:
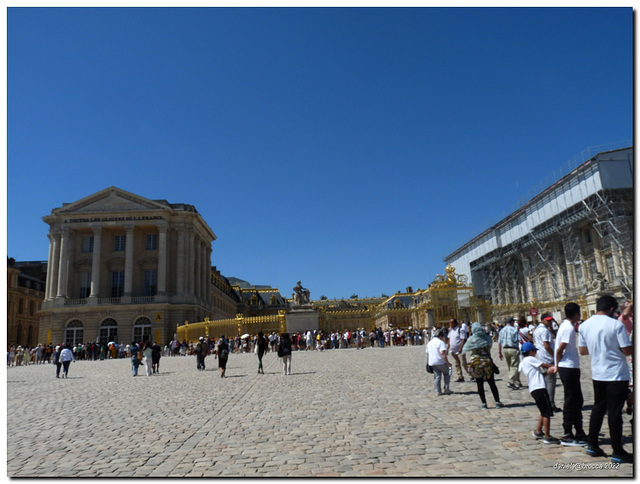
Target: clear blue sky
[351, 149]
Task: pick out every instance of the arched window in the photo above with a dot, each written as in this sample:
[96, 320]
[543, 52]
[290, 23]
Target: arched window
[108, 331]
[19, 334]
[142, 329]
[274, 300]
[30, 341]
[74, 333]
[254, 300]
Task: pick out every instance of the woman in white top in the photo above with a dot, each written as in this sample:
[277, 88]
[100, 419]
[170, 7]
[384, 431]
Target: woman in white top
[148, 358]
[437, 352]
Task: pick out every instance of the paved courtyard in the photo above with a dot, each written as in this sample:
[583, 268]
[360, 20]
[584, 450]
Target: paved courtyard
[347, 412]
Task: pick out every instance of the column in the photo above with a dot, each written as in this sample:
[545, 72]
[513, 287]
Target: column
[203, 272]
[128, 261]
[180, 269]
[95, 261]
[63, 268]
[162, 259]
[47, 294]
[55, 265]
[197, 280]
[190, 262]
[208, 276]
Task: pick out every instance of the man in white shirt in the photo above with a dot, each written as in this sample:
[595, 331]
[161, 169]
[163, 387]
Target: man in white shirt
[543, 340]
[437, 359]
[606, 340]
[568, 363]
[456, 342]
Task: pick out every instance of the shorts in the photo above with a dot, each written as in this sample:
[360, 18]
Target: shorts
[541, 396]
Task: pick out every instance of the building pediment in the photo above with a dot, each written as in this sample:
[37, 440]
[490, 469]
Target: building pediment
[111, 200]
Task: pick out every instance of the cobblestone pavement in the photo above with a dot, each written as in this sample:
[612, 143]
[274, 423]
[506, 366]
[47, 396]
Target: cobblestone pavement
[343, 412]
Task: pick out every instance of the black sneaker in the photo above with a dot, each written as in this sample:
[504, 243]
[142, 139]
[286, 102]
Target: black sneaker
[550, 440]
[499, 405]
[581, 439]
[570, 441]
[622, 458]
[484, 406]
[538, 435]
[595, 452]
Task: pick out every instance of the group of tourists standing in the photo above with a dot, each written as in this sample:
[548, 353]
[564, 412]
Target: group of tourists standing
[542, 353]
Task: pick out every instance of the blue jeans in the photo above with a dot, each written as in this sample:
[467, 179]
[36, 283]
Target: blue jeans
[438, 372]
[134, 369]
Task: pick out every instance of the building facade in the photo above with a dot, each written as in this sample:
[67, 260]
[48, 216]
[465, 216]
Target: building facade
[123, 267]
[571, 242]
[25, 294]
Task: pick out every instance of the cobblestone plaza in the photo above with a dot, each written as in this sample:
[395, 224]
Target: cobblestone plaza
[347, 412]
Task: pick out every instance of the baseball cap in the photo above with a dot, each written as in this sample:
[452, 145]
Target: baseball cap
[526, 347]
[509, 320]
[547, 316]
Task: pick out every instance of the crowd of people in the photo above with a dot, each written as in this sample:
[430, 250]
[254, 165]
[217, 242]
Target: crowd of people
[541, 352]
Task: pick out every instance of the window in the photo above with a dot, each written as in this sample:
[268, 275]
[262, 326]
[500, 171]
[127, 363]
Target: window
[152, 242]
[119, 243]
[543, 288]
[108, 331]
[20, 306]
[74, 333]
[150, 282]
[610, 267]
[579, 276]
[87, 244]
[32, 308]
[142, 330]
[85, 284]
[117, 283]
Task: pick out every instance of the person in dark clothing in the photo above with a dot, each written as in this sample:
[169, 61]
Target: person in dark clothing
[222, 354]
[261, 348]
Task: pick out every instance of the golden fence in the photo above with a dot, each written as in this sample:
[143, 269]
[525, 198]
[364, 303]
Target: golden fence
[231, 328]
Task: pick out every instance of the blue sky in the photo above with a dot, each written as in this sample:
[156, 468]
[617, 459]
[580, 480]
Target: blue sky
[351, 149]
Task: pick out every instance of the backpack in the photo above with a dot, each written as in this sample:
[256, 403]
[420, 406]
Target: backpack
[224, 351]
[199, 348]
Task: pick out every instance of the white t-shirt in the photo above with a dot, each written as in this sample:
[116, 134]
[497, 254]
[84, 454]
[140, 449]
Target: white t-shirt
[464, 331]
[567, 334]
[540, 335]
[455, 339]
[530, 366]
[603, 337]
[434, 349]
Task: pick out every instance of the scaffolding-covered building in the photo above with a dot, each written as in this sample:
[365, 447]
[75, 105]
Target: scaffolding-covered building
[571, 242]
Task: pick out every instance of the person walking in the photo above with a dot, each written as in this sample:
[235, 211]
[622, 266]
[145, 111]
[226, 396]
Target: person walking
[480, 363]
[155, 357]
[261, 348]
[456, 341]
[534, 370]
[543, 341]
[567, 361]
[222, 354]
[201, 352]
[148, 358]
[66, 357]
[136, 358]
[605, 340]
[56, 360]
[508, 342]
[285, 351]
[436, 351]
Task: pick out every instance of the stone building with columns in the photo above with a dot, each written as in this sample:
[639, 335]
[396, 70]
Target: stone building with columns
[571, 242]
[123, 268]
